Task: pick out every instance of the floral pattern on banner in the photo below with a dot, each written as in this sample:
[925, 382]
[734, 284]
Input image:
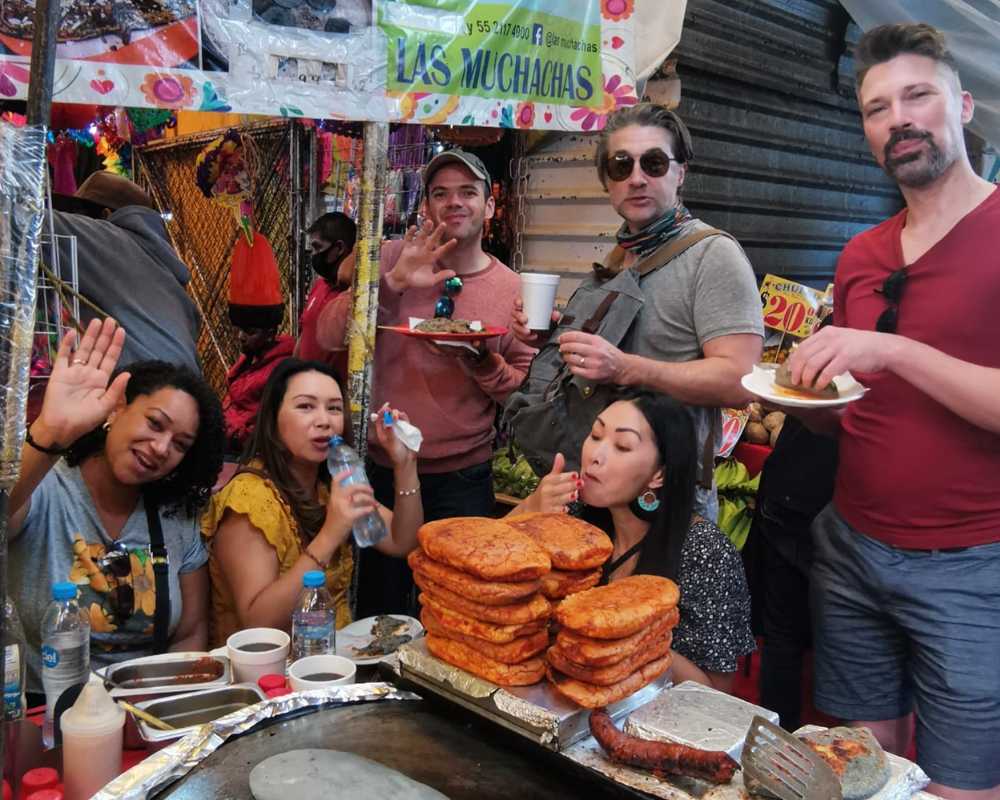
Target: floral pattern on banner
[12, 73]
[616, 94]
[617, 10]
[166, 90]
[524, 115]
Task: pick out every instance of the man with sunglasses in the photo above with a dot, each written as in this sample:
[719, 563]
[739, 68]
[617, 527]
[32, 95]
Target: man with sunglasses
[330, 240]
[451, 393]
[699, 329]
[907, 570]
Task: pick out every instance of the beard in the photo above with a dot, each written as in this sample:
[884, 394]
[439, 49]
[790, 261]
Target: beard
[920, 168]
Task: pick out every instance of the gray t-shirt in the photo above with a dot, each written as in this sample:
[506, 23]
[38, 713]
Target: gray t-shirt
[706, 292]
[63, 539]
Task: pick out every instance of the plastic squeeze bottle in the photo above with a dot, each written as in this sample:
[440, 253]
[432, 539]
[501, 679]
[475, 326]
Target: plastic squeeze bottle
[92, 742]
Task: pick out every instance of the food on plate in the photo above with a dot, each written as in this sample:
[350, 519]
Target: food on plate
[444, 325]
[561, 583]
[534, 608]
[388, 635]
[604, 652]
[571, 543]
[472, 660]
[855, 757]
[785, 386]
[513, 652]
[477, 629]
[88, 19]
[619, 609]
[490, 593]
[590, 695]
[661, 758]
[613, 673]
[486, 548]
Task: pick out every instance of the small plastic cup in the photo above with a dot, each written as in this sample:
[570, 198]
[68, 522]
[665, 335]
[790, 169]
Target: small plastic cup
[35, 780]
[250, 665]
[538, 293]
[269, 682]
[280, 691]
[305, 673]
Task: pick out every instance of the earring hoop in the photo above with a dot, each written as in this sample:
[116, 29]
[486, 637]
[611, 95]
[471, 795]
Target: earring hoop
[648, 501]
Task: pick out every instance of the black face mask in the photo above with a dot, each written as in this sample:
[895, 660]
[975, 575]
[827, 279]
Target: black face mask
[323, 268]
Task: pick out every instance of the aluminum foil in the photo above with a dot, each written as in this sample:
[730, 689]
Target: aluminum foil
[22, 175]
[905, 778]
[698, 716]
[416, 656]
[178, 759]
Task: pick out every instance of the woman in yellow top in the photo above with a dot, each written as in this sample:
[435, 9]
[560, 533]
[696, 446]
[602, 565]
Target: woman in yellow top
[282, 515]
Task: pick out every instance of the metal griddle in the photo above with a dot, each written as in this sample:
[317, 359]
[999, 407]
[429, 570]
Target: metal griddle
[443, 747]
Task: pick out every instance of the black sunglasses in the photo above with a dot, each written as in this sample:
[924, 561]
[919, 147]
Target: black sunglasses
[445, 305]
[654, 163]
[892, 291]
[116, 563]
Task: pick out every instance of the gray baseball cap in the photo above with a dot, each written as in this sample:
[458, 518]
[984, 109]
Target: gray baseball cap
[471, 162]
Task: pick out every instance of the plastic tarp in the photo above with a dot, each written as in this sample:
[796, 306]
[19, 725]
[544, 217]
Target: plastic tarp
[972, 28]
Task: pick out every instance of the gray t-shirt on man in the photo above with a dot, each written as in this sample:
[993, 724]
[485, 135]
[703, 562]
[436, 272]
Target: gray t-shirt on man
[62, 539]
[706, 292]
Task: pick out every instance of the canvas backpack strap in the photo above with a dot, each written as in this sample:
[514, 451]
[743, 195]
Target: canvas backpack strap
[674, 248]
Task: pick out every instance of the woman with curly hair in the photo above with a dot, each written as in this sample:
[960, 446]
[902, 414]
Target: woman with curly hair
[113, 474]
[283, 514]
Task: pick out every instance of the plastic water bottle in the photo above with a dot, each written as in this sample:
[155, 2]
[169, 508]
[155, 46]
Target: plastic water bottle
[370, 529]
[13, 664]
[65, 651]
[314, 631]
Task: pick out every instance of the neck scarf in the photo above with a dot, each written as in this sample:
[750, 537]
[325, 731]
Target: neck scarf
[656, 233]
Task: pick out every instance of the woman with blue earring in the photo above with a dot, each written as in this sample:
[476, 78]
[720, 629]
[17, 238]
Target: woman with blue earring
[637, 482]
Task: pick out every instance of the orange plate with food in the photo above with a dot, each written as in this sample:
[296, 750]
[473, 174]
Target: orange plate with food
[487, 548]
[464, 657]
[514, 652]
[571, 543]
[489, 593]
[589, 652]
[520, 613]
[590, 695]
[488, 332]
[619, 609]
[477, 629]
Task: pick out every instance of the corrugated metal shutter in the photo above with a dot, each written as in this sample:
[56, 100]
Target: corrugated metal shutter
[781, 162]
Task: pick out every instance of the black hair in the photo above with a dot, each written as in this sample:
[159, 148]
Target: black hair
[886, 42]
[674, 436]
[265, 444]
[186, 489]
[335, 227]
[647, 115]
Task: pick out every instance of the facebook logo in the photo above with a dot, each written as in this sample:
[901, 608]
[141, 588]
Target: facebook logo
[537, 34]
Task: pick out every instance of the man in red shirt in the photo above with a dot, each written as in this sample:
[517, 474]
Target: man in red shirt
[906, 582]
[330, 240]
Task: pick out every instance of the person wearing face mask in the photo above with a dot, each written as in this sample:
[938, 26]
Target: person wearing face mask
[638, 468]
[283, 514]
[113, 475]
[330, 241]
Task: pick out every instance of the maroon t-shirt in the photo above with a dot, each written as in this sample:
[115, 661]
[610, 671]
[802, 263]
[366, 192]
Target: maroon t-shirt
[912, 473]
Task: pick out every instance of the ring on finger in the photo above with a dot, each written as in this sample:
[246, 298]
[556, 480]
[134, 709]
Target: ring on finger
[582, 360]
[79, 361]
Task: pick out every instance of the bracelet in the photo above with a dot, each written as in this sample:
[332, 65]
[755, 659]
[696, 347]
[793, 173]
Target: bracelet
[320, 564]
[49, 451]
[408, 492]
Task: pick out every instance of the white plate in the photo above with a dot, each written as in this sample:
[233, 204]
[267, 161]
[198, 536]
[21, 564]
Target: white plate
[358, 634]
[761, 383]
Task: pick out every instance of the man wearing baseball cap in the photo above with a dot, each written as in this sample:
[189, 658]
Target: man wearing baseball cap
[128, 268]
[451, 393]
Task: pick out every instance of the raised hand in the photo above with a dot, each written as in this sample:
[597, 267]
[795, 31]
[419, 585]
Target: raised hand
[519, 326]
[385, 434]
[422, 247]
[556, 490]
[78, 397]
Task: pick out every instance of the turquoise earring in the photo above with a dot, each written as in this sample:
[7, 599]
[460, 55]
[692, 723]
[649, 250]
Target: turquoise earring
[648, 501]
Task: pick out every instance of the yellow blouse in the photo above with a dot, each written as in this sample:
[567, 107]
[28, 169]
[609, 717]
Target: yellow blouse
[262, 503]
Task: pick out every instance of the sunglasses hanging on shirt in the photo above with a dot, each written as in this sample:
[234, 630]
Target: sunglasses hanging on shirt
[654, 163]
[445, 305]
[892, 291]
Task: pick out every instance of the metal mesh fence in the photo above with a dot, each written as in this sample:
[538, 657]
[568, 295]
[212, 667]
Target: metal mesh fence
[204, 232]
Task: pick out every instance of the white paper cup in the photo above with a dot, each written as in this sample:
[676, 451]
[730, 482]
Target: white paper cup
[299, 673]
[538, 293]
[248, 665]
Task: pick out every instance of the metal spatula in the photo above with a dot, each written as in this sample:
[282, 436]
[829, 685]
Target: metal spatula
[786, 767]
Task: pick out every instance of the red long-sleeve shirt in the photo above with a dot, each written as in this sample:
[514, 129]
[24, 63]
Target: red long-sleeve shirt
[452, 401]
